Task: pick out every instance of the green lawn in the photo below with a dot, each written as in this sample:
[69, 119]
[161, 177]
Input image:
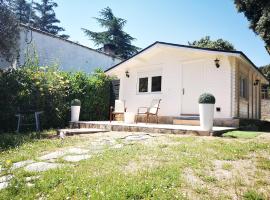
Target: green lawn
[242, 134]
[162, 167]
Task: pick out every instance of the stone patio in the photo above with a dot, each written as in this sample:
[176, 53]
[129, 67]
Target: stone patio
[149, 128]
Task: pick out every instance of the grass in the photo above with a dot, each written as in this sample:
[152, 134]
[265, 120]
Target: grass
[152, 170]
[242, 134]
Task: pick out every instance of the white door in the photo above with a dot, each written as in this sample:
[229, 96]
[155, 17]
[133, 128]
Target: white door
[192, 87]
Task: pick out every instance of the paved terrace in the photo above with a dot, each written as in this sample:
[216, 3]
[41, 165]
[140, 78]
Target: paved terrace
[149, 128]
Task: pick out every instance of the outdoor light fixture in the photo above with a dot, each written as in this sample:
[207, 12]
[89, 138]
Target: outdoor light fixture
[217, 63]
[127, 74]
[256, 82]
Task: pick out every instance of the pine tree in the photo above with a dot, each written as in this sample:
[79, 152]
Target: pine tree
[22, 10]
[45, 19]
[114, 38]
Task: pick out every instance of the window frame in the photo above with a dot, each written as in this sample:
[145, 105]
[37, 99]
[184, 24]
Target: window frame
[152, 83]
[147, 87]
[149, 75]
[243, 88]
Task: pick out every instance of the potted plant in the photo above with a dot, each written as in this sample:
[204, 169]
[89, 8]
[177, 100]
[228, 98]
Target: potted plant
[75, 110]
[206, 109]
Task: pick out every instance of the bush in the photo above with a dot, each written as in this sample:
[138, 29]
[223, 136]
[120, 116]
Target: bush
[207, 98]
[50, 90]
[75, 102]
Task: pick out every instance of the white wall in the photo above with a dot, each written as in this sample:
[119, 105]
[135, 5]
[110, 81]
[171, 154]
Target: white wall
[216, 81]
[69, 56]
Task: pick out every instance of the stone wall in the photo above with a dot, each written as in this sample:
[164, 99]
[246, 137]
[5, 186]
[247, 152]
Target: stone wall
[265, 109]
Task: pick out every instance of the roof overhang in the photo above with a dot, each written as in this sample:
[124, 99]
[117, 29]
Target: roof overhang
[237, 54]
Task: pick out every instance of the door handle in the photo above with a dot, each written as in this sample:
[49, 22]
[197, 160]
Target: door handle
[183, 91]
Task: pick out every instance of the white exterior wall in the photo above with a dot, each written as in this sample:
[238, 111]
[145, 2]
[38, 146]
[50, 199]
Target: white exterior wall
[216, 81]
[69, 56]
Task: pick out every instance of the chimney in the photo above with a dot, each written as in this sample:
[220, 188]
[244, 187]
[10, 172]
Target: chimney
[109, 49]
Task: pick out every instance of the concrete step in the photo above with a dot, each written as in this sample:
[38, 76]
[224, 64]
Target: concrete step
[75, 131]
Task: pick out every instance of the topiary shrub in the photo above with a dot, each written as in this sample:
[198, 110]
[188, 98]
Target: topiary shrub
[207, 98]
[75, 102]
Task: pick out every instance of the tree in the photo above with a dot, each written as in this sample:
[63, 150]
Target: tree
[46, 19]
[258, 14]
[22, 10]
[266, 71]
[113, 38]
[9, 34]
[219, 44]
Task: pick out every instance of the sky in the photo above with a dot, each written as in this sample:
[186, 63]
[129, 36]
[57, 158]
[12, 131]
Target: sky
[174, 21]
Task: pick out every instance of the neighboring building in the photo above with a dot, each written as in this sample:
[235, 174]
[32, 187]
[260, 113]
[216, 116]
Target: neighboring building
[179, 74]
[52, 49]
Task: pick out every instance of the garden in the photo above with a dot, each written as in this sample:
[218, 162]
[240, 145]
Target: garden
[47, 89]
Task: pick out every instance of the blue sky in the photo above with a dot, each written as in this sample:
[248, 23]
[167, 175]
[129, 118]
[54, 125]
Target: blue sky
[175, 21]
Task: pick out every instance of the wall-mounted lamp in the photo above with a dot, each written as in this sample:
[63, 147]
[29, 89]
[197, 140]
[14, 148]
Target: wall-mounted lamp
[256, 82]
[217, 62]
[127, 74]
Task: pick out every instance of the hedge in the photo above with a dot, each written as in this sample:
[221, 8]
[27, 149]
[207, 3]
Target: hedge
[48, 89]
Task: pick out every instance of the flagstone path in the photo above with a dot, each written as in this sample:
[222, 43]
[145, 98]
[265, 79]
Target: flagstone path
[74, 154]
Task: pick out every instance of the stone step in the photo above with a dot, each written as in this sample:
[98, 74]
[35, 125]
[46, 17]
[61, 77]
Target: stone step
[75, 131]
[192, 122]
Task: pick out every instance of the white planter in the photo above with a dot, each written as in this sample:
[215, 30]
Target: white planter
[206, 116]
[75, 113]
[129, 117]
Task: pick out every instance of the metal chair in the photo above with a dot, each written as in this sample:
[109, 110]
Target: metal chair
[23, 117]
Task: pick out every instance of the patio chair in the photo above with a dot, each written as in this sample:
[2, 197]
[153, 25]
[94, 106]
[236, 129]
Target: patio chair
[149, 111]
[119, 108]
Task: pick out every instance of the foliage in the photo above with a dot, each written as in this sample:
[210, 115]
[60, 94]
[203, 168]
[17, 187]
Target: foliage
[50, 90]
[207, 98]
[114, 37]
[266, 71]
[206, 42]
[45, 19]
[258, 14]
[9, 33]
[76, 102]
[22, 9]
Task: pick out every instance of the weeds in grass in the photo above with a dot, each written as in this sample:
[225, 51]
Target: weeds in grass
[227, 166]
[253, 195]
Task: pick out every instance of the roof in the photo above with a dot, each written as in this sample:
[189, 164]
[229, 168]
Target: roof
[66, 40]
[193, 47]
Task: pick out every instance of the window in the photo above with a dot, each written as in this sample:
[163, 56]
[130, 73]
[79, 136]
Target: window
[243, 88]
[143, 84]
[156, 84]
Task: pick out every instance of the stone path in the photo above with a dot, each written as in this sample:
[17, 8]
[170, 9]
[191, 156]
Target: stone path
[74, 154]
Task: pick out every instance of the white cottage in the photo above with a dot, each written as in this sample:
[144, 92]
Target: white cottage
[179, 74]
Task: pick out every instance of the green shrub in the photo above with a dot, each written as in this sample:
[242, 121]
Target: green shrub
[207, 98]
[75, 102]
[51, 90]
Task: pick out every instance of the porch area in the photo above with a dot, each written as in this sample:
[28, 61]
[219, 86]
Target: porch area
[149, 128]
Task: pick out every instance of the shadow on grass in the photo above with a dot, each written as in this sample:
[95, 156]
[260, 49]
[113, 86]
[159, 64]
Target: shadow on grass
[13, 140]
